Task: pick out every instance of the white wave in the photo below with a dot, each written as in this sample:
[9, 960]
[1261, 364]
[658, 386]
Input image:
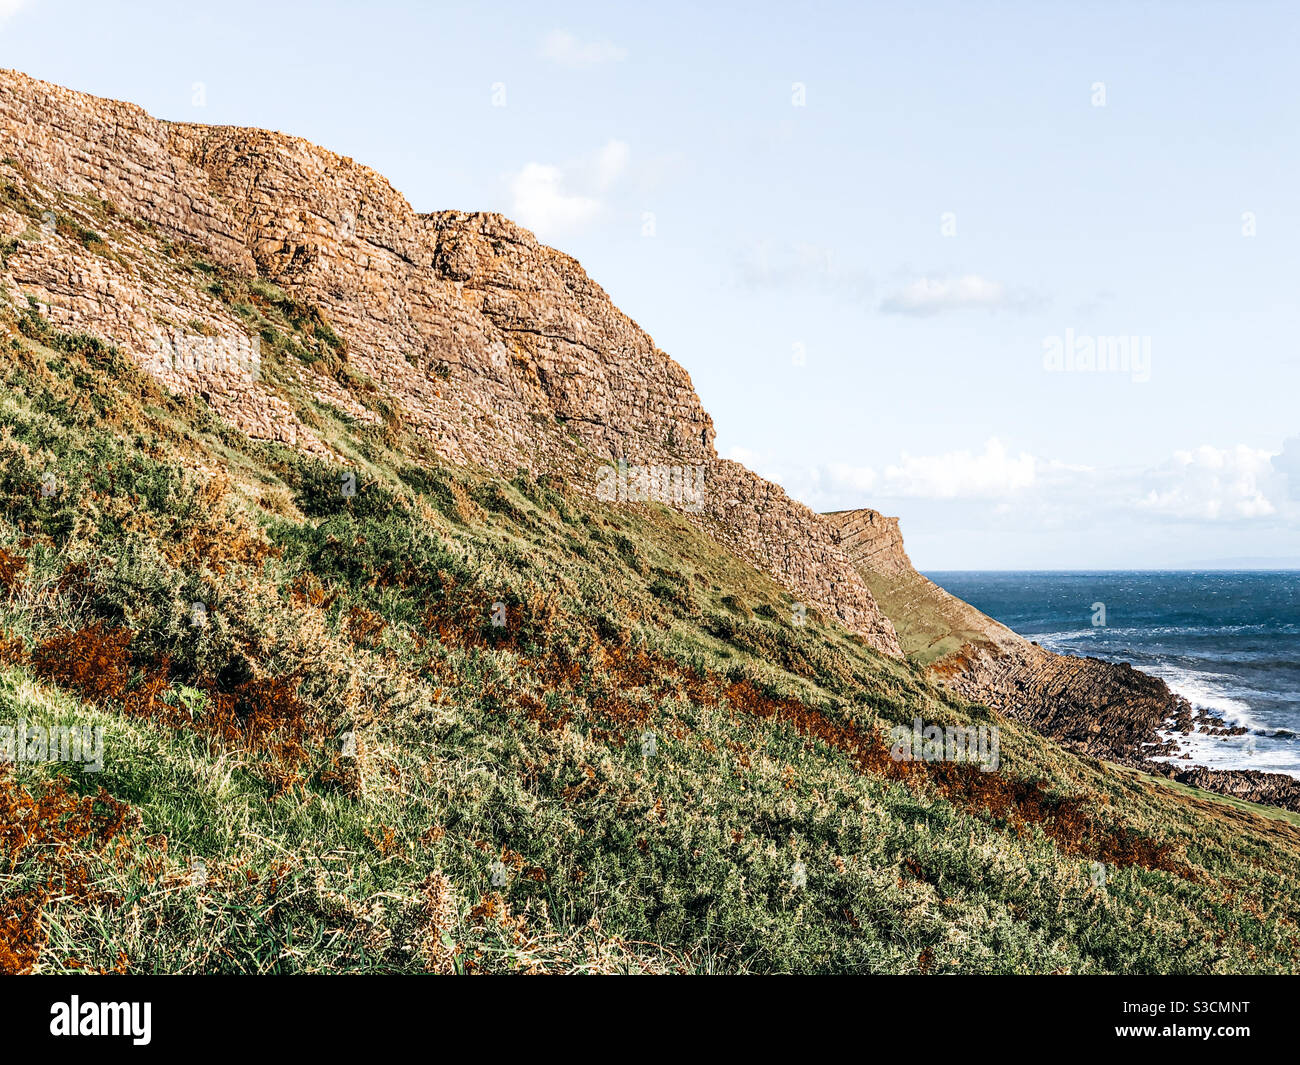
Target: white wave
[1218, 693]
[1093, 632]
[1065, 637]
[1235, 752]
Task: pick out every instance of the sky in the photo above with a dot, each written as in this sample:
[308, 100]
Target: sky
[1023, 274]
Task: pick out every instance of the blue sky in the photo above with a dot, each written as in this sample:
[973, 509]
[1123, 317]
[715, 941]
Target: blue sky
[863, 229]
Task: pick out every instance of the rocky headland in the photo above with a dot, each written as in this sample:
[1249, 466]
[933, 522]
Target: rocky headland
[500, 351]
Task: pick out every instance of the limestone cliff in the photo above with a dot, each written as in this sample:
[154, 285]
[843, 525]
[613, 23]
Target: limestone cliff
[1104, 709]
[500, 351]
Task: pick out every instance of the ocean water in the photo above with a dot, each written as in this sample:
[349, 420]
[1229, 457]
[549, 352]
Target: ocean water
[1229, 642]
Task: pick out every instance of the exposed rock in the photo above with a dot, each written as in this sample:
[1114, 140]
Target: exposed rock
[872, 540]
[1273, 789]
[85, 146]
[500, 351]
[1103, 709]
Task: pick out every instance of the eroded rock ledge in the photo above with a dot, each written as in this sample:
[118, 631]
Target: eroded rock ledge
[1102, 709]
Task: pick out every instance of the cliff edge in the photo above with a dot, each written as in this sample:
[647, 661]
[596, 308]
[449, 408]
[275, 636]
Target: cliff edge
[499, 350]
[1104, 709]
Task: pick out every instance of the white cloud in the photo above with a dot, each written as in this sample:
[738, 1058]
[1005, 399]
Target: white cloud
[9, 8]
[743, 455]
[1204, 484]
[927, 296]
[1213, 484]
[765, 266]
[551, 199]
[565, 48]
[995, 474]
[542, 204]
[843, 477]
[1287, 463]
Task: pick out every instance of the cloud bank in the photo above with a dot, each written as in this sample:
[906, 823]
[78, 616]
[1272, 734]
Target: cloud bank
[929, 296]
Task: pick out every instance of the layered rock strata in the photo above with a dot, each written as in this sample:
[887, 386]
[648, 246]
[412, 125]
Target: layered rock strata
[499, 351]
[1104, 709]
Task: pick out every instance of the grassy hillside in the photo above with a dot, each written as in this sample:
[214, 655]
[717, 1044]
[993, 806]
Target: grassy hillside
[338, 762]
[930, 623]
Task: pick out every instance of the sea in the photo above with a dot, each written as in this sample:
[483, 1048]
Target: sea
[1228, 641]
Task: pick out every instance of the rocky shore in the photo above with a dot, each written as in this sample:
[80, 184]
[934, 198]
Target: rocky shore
[1106, 710]
[499, 351]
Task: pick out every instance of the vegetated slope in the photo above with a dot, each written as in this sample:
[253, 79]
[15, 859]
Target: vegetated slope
[1104, 709]
[497, 350]
[344, 765]
[322, 753]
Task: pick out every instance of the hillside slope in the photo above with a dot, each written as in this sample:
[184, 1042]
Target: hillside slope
[499, 351]
[386, 686]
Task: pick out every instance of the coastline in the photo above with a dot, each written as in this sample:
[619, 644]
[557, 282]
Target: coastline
[1106, 708]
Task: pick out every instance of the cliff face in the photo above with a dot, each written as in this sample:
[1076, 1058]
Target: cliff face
[499, 350]
[872, 541]
[520, 327]
[1103, 709]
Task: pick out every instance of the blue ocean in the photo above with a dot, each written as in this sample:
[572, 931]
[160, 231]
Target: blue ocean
[1227, 641]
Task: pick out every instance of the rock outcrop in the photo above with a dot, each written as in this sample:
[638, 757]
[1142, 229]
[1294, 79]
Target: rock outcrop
[496, 349]
[1103, 709]
[1272, 789]
[872, 540]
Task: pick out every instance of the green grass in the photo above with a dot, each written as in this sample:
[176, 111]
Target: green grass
[440, 793]
[930, 624]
